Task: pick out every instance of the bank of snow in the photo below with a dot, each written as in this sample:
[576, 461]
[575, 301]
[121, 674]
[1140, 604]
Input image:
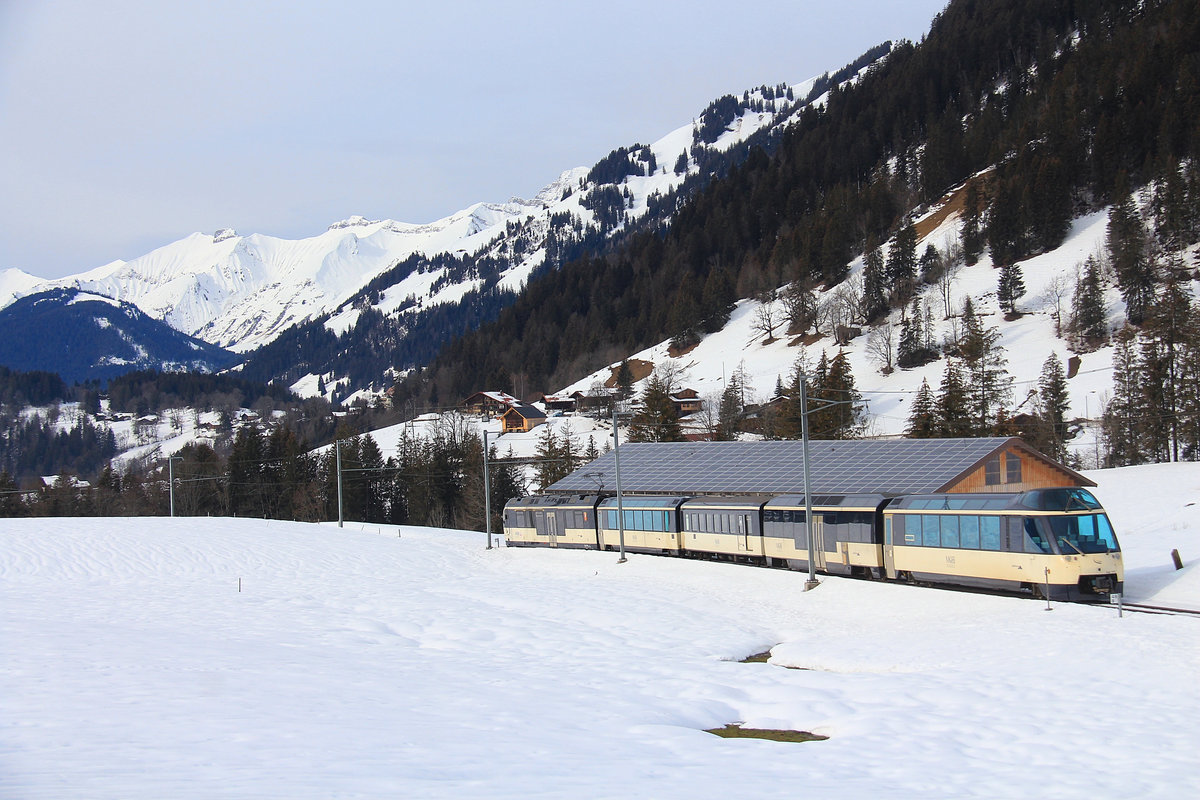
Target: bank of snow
[384, 662]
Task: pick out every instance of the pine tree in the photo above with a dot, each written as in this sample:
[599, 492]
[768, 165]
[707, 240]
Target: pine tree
[902, 262]
[1011, 286]
[923, 421]
[953, 413]
[624, 381]
[1121, 416]
[548, 455]
[1089, 321]
[989, 385]
[931, 265]
[843, 416]
[970, 234]
[1054, 404]
[1170, 324]
[656, 420]
[874, 292]
[1127, 247]
[729, 413]
[908, 345]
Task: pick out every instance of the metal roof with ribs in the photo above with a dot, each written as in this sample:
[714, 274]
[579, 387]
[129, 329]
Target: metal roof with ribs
[889, 467]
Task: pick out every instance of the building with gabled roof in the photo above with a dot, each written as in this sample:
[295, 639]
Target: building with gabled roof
[521, 418]
[489, 404]
[889, 467]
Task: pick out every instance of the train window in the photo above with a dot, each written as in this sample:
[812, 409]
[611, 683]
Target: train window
[949, 525]
[1012, 466]
[1090, 533]
[989, 533]
[969, 532]
[991, 471]
[1034, 541]
[931, 530]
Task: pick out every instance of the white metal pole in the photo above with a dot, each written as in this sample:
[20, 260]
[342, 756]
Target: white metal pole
[171, 481]
[487, 491]
[338, 447]
[812, 581]
[620, 503]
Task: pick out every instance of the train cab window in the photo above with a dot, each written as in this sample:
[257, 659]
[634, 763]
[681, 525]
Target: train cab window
[1034, 541]
[991, 471]
[1089, 533]
[1012, 468]
[969, 532]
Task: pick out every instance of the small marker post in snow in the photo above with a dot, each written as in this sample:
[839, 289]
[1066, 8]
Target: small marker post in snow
[1048, 608]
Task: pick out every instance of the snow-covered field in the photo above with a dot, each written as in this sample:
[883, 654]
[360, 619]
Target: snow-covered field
[157, 658]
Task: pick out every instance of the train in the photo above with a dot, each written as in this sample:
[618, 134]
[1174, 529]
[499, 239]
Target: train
[1055, 543]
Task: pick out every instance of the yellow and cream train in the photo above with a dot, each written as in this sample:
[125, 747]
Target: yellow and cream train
[1055, 543]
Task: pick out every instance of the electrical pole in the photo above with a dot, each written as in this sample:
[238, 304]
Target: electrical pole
[171, 479]
[812, 581]
[620, 504]
[337, 444]
[487, 491]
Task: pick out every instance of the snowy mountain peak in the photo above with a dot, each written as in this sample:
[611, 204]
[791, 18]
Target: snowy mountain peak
[356, 221]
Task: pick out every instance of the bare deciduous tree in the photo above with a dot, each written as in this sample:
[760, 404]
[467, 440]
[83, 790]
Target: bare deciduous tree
[765, 322]
[881, 346]
[1057, 288]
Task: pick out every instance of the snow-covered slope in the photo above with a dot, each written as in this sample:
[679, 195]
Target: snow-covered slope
[200, 658]
[1027, 341]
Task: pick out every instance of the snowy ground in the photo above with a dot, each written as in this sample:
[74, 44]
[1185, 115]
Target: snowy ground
[376, 662]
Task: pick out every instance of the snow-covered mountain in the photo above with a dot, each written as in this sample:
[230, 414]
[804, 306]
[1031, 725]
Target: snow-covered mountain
[240, 292]
[84, 336]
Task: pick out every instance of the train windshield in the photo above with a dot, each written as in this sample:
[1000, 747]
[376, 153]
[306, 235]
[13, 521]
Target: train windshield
[1085, 533]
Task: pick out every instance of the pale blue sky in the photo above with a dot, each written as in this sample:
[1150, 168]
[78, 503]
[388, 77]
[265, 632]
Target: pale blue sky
[127, 124]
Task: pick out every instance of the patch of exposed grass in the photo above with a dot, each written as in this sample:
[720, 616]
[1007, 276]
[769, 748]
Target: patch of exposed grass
[757, 658]
[735, 731]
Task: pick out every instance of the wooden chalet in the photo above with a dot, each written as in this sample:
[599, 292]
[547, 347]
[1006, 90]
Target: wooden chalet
[488, 404]
[521, 418]
[563, 402]
[687, 401]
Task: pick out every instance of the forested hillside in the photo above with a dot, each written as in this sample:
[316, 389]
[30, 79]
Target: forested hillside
[1056, 107]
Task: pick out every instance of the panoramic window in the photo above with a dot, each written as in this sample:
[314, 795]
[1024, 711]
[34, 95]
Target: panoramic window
[969, 532]
[949, 526]
[989, 533]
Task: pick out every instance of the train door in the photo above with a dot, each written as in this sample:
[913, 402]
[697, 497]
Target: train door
[743, 531]
[819, 543]
[552, 528]
[889, 555]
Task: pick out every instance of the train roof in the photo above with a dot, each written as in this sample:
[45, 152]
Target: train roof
[890, 467]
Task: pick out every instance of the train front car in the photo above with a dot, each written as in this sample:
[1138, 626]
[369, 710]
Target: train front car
[1055, 543]
[551, 521]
